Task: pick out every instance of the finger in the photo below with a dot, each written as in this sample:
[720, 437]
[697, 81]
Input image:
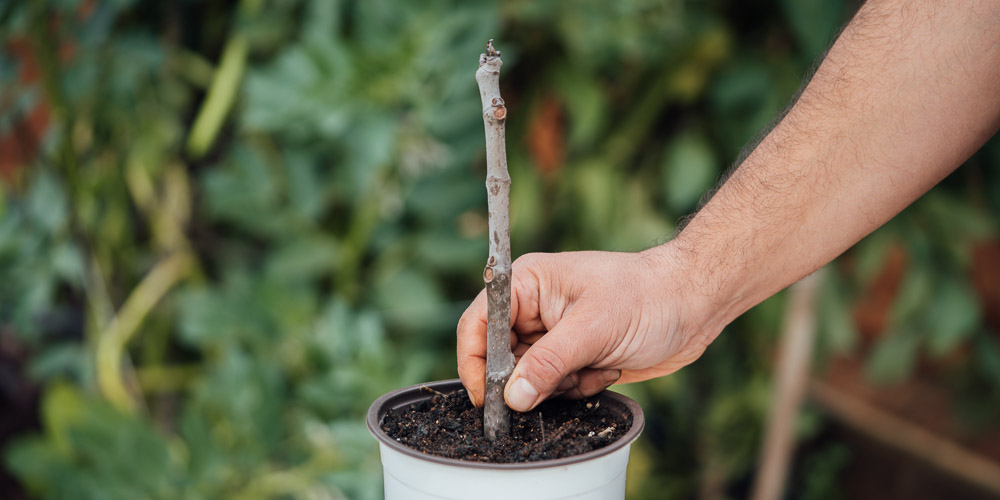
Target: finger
[590, 381]
[555, 356]
[586, 382]
[472, 330]
[529, 338]
[471, 349]
[525, 294]
[567, 383]
[666, 367]
[661, 370]
[519, 351]
[471, 346]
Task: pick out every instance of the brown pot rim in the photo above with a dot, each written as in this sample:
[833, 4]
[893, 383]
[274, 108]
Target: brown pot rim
[419, 392]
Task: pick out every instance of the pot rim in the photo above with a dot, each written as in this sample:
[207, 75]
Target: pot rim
[419, 392]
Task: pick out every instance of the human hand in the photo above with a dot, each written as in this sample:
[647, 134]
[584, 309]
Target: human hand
[584, 320]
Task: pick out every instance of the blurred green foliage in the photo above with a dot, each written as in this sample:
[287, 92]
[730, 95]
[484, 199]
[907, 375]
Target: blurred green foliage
[244, 222]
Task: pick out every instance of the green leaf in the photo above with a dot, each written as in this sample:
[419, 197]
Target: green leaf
[447, 251]
[47, 202]
[364, 482]
[34, 461]
[438, 199]
[244, 191]
[307, 193]
[915, 293]
[958, 218]
[308, 257]
[67, 262]
[586, 104]
[243, 308]
[814, 23]
[870, 254]
[952, 317]
[371, 144]
[205, 316]
[836, 324]
[640, 225]
[63, 359]
[241, 401]
[90, 450]
[597, 189]
[987, 351]
[409, 298]
[690, 168]
[745, 97]
[62, 408]
[894, 356]
[527, 204]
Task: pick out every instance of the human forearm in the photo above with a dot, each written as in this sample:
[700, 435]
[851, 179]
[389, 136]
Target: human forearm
[906, 94]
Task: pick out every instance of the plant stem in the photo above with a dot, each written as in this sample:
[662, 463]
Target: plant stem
[225, 84]
[499, 360]
[112, 341]
[220, 98]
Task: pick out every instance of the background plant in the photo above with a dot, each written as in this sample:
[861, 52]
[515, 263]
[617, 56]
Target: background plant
[230, 226]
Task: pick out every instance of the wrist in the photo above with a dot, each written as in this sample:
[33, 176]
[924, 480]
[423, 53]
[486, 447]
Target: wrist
[705, 303]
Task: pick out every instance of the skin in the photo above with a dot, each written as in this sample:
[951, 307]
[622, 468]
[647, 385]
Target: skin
[908, 92]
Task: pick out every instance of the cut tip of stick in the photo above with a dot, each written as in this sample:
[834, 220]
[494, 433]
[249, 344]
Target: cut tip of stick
[490, 51]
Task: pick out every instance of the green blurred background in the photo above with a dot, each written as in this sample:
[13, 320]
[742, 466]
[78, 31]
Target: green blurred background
[227, 227]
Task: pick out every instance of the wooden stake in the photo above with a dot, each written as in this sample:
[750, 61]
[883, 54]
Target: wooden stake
[790, 379]
[886, 428]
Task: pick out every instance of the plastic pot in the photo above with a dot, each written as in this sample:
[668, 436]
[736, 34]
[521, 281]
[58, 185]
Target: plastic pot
[411, 474]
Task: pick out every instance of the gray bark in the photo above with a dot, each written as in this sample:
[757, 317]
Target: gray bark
[499, 360]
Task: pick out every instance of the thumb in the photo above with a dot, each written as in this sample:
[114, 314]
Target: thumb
[557, 354]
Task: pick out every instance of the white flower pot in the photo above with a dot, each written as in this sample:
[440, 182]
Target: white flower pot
[411, 474]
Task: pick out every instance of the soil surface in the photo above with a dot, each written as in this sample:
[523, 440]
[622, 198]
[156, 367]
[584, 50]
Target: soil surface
[449, 426]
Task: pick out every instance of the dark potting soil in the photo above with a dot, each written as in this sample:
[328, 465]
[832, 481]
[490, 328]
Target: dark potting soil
[449, 426]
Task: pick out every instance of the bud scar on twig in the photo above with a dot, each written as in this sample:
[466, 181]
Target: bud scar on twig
[488, 271]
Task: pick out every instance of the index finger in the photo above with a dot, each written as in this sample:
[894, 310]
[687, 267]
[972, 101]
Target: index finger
[471, 331]
[471, 349]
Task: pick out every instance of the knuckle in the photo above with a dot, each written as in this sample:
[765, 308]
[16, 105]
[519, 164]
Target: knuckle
[518, 286]
[528, 261]
[549, 367]
[530, 269]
